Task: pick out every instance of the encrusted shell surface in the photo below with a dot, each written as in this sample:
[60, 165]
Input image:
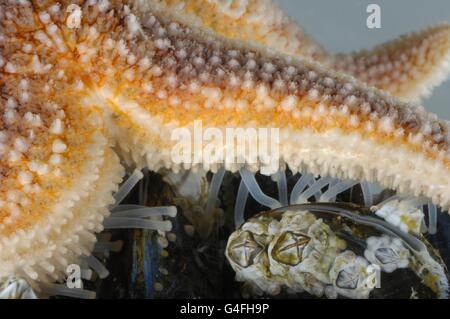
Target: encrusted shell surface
[332, 256]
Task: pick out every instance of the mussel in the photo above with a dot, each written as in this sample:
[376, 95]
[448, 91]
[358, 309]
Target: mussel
[333, 250]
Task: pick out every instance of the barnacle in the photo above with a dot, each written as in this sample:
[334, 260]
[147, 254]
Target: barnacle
[317, 248]
[85, 81]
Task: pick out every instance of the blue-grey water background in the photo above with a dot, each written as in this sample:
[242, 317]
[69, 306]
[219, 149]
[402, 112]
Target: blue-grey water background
[340, 26]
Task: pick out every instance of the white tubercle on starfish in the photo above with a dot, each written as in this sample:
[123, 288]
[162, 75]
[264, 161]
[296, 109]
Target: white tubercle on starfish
[129, 74]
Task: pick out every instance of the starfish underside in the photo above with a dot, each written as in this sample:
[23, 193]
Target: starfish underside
[132, 73]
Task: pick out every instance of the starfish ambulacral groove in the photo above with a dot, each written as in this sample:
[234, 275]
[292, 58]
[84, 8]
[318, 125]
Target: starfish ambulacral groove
[133, 71]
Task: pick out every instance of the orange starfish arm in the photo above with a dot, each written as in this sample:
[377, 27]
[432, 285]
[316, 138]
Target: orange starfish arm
[330, 124]
[57, 169]
[409, 67]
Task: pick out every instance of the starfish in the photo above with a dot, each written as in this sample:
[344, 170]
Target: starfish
[408, 67]
[84, 82]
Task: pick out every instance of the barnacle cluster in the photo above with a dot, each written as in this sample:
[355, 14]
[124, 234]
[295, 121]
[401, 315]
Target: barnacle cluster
[299, 252]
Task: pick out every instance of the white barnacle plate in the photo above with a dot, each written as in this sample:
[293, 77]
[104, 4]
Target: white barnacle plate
[349, 275]
[387, 252]
[402, 214]
[248, 257]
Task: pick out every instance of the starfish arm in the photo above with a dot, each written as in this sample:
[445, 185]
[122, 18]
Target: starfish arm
[54, 154]
[259, 21]
[329, 123]
[408, 67]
